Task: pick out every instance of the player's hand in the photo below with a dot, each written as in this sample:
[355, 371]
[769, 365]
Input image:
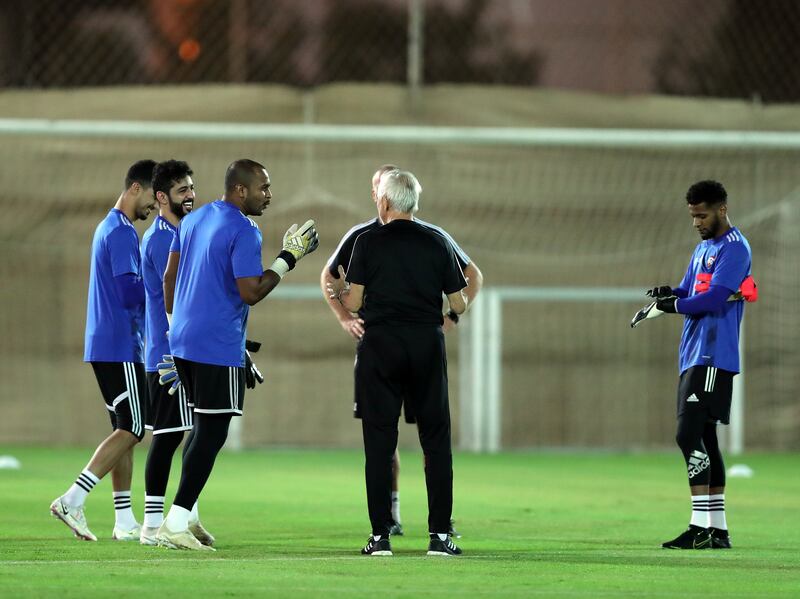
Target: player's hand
[659, 292]
[168, 374]
[336, 287]
[667, 305]
[654, 310]
[353, 326]
[302, 241]
[252, 374]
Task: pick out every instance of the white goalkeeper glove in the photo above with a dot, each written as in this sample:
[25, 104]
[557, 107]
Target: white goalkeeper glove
[168, 374]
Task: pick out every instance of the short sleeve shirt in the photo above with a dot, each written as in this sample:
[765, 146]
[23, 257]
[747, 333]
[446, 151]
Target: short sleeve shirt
[217, 244]
[155, 250]
[114, 333]
[404, 267]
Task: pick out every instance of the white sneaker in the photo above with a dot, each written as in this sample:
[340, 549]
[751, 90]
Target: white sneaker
[72, 517]
[201, 534]
[120, 534]
[148, 536]
[182, 539]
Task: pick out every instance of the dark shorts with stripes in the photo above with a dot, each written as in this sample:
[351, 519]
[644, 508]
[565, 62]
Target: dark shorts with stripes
[705, 392]
[212, 389]
[125, 392]
[167, 413]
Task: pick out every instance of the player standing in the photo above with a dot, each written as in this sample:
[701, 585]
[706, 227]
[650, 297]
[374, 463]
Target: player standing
[169, 413]
[708, 356]
[114, 347]
[353, 324]
[214, 274]
[398, 273]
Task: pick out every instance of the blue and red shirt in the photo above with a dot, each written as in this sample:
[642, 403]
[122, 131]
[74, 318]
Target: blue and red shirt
[712, 338]
[217, 244]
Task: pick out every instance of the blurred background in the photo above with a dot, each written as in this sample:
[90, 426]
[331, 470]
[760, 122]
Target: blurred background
[554, 139]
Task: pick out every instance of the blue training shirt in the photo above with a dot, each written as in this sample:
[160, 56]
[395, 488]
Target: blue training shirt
[113, 332]
[712, 339]
[156, 243]
[217, 244]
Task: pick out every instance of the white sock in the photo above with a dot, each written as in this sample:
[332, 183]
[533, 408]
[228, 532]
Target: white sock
[716, 514]
[396, 506]
[699, 511]
[123, 514]
[442, 536]
[153, 511]
[177, 518]
[194, 515]
[76, 495]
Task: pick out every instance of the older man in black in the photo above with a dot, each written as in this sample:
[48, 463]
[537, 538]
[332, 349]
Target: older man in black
[398, 273]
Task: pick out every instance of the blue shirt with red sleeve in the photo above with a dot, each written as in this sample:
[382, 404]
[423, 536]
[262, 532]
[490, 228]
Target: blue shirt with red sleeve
[712, 338]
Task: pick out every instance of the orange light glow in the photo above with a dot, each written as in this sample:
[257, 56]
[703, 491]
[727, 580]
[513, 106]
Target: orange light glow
[189, 50]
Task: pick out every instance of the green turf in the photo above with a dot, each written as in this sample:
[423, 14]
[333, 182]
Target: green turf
[291, 523]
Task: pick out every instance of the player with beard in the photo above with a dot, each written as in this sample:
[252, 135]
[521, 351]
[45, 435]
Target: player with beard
[711, 297]
[169, 414]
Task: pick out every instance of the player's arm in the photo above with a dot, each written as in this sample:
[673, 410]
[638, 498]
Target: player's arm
[458, 301]
[130, 289]
[297, 243]
[352, 325]
[170, 276]
[474, 278]
[703, 303]
[352, 297]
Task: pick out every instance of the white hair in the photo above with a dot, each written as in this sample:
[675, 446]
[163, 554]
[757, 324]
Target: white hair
[401, 189]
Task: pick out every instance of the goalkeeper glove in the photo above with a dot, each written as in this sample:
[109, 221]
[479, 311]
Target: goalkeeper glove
[296, 244]
[658, 292]
[252, 374]
[302, 241]
[168, 374]
[654, 310]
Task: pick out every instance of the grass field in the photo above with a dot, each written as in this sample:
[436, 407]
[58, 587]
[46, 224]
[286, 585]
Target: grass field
[291, 523]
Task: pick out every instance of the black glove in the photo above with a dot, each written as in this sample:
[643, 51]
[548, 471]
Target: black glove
[667, 304]
[659, 292]
[252, 374]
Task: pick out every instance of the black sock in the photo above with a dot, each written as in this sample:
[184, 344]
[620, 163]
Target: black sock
[209, 435]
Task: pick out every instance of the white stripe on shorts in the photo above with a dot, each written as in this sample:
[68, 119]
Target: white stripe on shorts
[133, 398]
[711, 378]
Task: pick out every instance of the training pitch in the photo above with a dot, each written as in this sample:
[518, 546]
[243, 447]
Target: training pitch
[291, 524]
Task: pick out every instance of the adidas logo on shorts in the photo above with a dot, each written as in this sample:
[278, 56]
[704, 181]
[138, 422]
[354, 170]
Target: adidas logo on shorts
[692, 398]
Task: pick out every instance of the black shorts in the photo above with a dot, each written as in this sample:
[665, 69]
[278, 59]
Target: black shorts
[125, 392]
[167, 413]
[212, 389]
[401, 366]
[705, 392]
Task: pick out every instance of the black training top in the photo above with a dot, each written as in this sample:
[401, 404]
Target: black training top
[341, 256]
[404, 267]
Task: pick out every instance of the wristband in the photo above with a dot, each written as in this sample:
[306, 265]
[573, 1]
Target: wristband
[452, 316]
[283, 263]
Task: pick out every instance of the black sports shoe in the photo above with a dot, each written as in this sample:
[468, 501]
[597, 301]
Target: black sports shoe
[453, 532]
[439, 547]
[720, 539]
[694, 537]
[380, 547]
[395, 528]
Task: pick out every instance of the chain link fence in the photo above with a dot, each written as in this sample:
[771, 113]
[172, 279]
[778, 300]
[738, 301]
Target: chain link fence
[721, 48]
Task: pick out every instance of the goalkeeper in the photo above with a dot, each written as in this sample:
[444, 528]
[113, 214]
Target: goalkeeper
[213, 275]
[711, 297]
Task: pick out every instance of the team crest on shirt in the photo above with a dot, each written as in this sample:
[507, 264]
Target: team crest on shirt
[710, 261]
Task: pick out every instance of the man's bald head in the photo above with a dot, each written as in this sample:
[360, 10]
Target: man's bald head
[242, 172]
